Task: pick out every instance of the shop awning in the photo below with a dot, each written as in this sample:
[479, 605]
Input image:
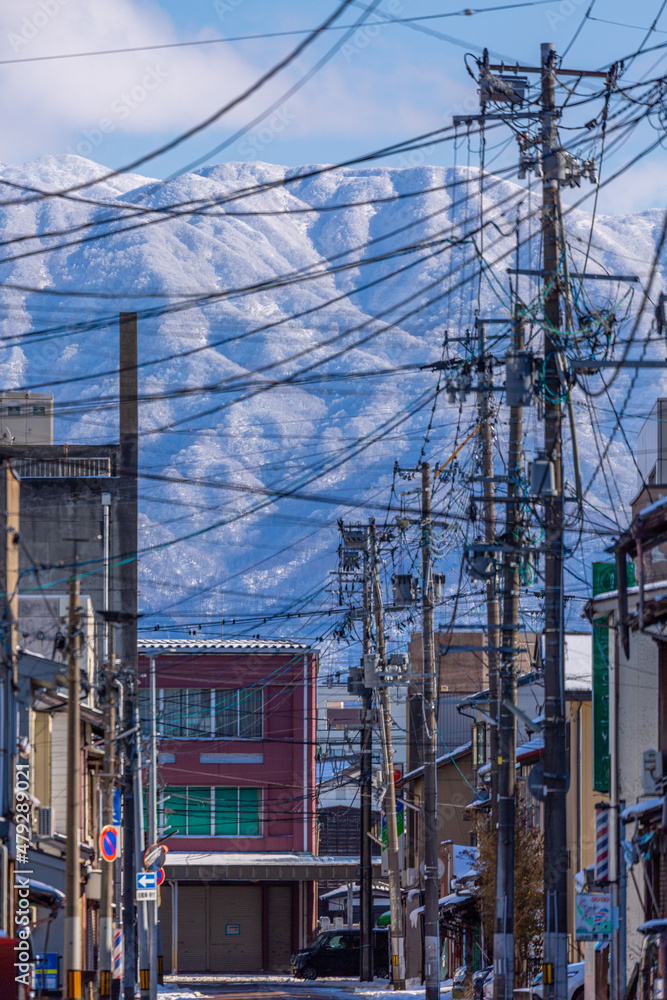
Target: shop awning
[41, 894]
[639, 809]
[205, 866]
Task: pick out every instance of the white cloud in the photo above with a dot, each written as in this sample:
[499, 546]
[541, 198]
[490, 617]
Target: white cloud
[73, 105]
[51, 102]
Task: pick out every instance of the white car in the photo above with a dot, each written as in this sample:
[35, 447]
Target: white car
[575, 983]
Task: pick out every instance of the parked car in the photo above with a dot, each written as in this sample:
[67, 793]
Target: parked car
[460, 983]
[487, 988]
[338, 953]
[478, 981]
[575, 983]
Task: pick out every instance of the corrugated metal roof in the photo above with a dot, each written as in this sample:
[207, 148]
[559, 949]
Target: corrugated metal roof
[219, 645]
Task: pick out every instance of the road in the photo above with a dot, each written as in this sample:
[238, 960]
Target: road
[258, 990]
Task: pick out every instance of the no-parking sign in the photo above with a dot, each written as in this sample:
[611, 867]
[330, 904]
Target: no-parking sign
[109, 843]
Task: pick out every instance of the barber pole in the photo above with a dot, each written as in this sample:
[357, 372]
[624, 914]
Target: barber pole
[118, 954]
[601, 843]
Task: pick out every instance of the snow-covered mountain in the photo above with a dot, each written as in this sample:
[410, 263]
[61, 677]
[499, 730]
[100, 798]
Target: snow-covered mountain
[312, 279]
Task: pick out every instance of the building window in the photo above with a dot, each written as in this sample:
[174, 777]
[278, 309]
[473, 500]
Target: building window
[238, 714]
[200, 713]
[203, 812]
[237, 812]
[39, 411]
[13, 411]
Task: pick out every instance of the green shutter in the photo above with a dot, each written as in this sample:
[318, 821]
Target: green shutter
[249, 812]
[601, 704]
[176, 801]
[226, 812]
[199, 812]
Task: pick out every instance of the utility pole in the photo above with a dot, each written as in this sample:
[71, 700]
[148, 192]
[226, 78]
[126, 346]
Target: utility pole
[397, 935]
[152, 831]
[139, 848]
[106, 905]
[72, 858]
[365, 781]
[9, 581]
[489, 517]
[555, 759]
[127, 613]
[503, 938]
[430, 731]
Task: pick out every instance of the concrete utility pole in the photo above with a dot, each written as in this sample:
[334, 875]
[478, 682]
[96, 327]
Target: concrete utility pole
[9, 581]
[503, 938]
[127, 550]
[366, 782]
[555, 758]
[72, 859]
[397, 934]
[152, 832]
[108, 779]
[430, 731]
[489, 517]
[139, 848]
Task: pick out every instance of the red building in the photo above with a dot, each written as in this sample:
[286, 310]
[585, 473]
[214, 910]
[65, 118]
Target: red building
[236, 723]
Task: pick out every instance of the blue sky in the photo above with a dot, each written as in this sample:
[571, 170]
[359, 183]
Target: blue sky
[386, 83]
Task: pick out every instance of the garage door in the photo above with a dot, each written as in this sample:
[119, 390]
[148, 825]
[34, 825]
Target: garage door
[165, 926]
[280, 927]
[235, 928]
[192, 927]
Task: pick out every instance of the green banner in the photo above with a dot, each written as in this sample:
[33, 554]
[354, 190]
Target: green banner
[604, 581]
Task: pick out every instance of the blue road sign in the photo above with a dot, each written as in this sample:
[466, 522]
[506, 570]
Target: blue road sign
[116, 806]
[146, 880]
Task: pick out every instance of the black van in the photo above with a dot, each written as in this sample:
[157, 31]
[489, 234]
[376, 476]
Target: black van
[338, 953]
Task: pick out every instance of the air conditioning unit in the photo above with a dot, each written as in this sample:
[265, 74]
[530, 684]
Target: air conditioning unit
[46, 821]
[652, 772]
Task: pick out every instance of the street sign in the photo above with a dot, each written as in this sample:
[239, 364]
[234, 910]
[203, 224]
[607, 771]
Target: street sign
[160, 876]
[536, 783]
[154, 856]
[146, 880]
[146, 895]
[117, 798]
[146, 886]
[593, 916]
[109, 843]
[441, 868]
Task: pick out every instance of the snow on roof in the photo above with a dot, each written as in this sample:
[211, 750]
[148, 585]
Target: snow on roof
[639, 808]
[450, 755]
[218, 645]
[186, 859]
[527, 749]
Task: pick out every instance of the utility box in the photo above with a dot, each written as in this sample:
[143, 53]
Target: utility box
[519, 379]
[371, 678]
[405, 590]
[481, 561]
[542, 477]
[355, 681]
[397, 669]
